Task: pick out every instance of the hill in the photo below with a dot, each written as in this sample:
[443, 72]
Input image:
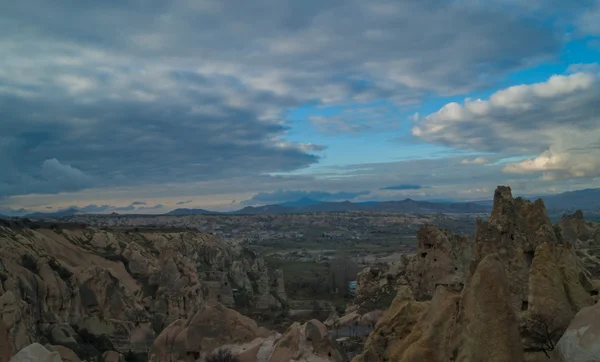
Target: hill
[183, 211]
[586, 199]
[305, 201]
[407, 205]
[61, 213]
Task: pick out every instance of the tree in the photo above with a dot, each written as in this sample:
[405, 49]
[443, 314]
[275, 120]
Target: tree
[342, 271]
[222, 355]
[544, 331]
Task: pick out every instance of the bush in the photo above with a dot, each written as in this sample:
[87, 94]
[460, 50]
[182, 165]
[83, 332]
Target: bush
[222, 355]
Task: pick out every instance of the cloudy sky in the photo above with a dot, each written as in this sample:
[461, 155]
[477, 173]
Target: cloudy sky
[145, 106]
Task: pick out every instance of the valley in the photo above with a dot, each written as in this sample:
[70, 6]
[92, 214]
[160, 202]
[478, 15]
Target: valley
[124, 285]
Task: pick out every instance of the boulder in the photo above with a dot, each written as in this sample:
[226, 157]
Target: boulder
[63, 334]
[112, 356]
[66, 354]
[307, 342]
[36, 353]
[211, 327]
[217, 327]
[581, 340]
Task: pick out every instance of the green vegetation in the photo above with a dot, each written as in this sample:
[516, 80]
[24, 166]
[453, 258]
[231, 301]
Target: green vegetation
[303, 280]
[221, 355]
[311, 280]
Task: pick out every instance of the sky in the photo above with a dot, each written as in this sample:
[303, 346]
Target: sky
[137, 106]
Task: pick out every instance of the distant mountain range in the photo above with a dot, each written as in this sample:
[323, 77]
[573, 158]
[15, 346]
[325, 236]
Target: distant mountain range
[191, 212]
[306, 205]
[60, 213]
[588, 199]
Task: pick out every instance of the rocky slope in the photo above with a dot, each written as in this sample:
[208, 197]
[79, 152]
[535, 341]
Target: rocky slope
[506, 295]
[215, 326]
[95, 291]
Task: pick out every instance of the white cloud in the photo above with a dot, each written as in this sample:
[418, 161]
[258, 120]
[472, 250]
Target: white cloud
[76, 84]
[475, 161]
[559, 165]
[558, 119]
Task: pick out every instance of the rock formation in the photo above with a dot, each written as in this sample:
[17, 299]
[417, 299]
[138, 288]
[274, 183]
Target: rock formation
[96, 292]
[36, 353]
[586, 238]
[377, 286]
[518, 276]
[214, 327]
[442, 259]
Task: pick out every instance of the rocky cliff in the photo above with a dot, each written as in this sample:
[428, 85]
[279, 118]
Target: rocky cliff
[95, 291]
[506, 295]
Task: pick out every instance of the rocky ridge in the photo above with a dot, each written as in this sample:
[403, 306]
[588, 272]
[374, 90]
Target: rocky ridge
[94, 291]
[518, 282]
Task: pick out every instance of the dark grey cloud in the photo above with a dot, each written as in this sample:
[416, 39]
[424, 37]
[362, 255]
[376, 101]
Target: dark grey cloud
[293, 195]
[183, 202]
[97, 209]
[135, 203]
[105, 94]
[403, 187]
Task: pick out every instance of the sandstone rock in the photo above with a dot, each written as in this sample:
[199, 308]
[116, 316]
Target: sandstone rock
[119, 288]
[63, 335]
[209, 328]
[66, 354]
[278, 286]
[308, 342]
[585, 236]
[216, 327]
[112, 356]
[376, 287]
[348, 319]
[555, 287]
[371, 318]
[5, 344]
[581, 340]
[388, 340]
[442, 259]
[36, 353]
[492, 329]
[518, 270]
